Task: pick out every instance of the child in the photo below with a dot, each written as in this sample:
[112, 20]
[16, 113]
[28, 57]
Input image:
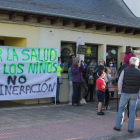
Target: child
[101, 85]
[107, 96]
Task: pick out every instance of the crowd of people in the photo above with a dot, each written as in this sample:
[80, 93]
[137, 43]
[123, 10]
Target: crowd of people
[95, 81]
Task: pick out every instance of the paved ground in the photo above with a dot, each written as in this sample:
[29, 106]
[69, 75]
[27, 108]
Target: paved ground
[63, 122]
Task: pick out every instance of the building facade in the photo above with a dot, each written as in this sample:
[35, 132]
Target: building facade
[106, 32]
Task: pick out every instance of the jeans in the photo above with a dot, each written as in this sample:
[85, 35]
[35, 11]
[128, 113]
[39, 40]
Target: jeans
[71, 91]
[57, 91]
[132, 98]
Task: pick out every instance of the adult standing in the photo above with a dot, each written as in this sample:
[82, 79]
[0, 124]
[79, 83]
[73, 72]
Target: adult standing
[72, 56]
[128, 54]
[128, 86]
[71, 86]
[113, 70]
[59, 71]
[90, 80]
[77, 80]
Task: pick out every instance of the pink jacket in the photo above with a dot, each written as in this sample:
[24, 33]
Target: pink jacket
[127, 57]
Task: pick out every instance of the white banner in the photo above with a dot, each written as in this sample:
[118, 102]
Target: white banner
[27, 73]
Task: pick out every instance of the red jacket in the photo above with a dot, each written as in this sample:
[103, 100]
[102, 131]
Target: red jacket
[127, 57]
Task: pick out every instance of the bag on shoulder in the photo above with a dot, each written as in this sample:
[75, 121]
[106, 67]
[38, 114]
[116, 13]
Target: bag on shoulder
[90, 80]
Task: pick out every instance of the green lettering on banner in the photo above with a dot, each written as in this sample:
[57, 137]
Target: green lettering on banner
[25, 52]
[48, 50]
[42, 67]
[49, 67]
[37, 65]
[53, 53]
[54, 69]
[4, 69]
[15, 55]
[20, 66]
[39, 50]
[31, 67]
[8, 59]
[33, 54]
[0, 54]
[13, 68]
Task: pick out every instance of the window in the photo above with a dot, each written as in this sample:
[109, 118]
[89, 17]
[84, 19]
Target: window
[66, 50]
[92, 54]
[1, 42]
[111, 53]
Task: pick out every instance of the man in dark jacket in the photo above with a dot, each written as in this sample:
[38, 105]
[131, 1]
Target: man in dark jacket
[128, 87]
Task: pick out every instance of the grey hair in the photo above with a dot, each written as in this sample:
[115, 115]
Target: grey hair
[76, 61]
[134, 61]
[101, 59]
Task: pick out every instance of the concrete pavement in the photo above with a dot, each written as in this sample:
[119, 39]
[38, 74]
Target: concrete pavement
[61, 122]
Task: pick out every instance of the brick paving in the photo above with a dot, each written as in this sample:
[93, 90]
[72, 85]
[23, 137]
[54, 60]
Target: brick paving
[63, 122]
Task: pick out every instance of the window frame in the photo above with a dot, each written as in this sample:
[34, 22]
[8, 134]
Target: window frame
[92, 57]
[68, 57]
[109, 46]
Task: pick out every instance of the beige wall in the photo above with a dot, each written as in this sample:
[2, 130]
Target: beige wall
[30, 33]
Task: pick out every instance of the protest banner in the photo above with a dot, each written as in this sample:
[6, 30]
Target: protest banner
[27, 73]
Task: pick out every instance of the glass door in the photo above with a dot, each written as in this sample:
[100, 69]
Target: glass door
[111, 54]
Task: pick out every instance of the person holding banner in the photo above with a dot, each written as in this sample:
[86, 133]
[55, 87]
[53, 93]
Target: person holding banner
[77, 80]
[59, 81]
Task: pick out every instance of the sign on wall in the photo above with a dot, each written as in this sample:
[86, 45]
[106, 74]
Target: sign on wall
[79, 40]
[27, 73]
[82, 49]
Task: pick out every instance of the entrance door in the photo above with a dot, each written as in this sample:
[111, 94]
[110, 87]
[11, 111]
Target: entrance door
[111, 53]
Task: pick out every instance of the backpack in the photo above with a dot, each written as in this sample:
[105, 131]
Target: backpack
[90, 79]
